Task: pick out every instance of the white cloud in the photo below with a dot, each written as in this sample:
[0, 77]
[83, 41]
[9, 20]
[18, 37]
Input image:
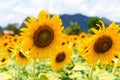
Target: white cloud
[17, 10]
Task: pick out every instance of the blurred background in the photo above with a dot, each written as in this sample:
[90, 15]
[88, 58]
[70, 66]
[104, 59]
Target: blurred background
[77, 15]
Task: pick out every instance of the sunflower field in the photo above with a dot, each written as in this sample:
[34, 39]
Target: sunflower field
[43, 52]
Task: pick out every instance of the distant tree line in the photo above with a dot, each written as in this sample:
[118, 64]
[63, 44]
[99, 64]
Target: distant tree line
[11, 27]
[73, 29]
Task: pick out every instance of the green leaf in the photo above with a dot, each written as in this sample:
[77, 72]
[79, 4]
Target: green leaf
[43, 77]
[80, 67]
[104, 75]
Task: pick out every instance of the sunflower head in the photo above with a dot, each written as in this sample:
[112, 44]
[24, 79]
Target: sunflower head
[4, 58]
[22, 58]
[8, 43]
[61, 58]
[73, 40]
[102, 47]
[42, 35]
[82, 35]
[89, 35]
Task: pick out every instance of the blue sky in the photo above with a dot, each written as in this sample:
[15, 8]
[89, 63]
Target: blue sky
[12, 11]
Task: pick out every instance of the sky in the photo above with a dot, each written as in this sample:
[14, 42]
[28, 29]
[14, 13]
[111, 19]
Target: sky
[15, 11]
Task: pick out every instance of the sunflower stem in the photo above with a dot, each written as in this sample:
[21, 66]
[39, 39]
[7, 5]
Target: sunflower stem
[18, 72]
[90, 73]
[34, 64]
[114, 69]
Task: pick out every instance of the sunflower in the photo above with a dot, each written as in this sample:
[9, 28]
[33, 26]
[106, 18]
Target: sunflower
[73, 40]
[8, 46]
[89, 35]
[82, 35]
[68, 41]
[16, 40]
[61, 57]
[21, 57]
[42, 34]
[65, 41]
[4, 58]
[102, 47]
[8, 43]
[6, 36]
[1, 45]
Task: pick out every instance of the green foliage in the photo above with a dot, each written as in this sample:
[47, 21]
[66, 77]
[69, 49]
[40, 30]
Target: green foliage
[13, 27]
[77, 69]
[43, 77]
[92, 22]
[74, 28]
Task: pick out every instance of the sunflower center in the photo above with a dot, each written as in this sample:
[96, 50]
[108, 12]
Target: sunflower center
[60, 57]
[43, 36]
[21, 54]
[103, 44]
[3, 60]
[83, 36]
[9, 49]
[5, 44]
